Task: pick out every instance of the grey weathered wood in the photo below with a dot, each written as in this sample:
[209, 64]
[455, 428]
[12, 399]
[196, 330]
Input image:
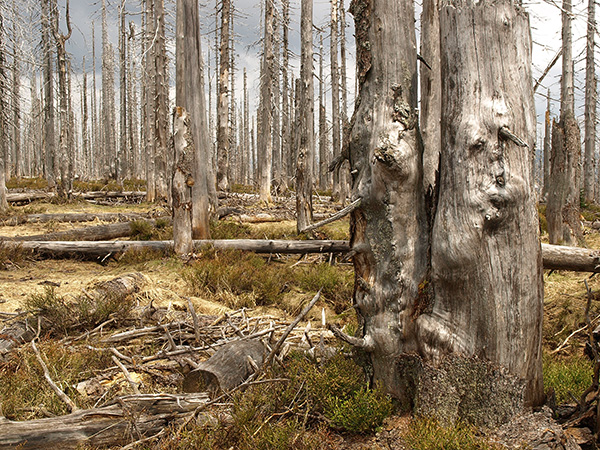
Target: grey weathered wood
[72, 217]
[95, 233]
[306, 143]
[431, 91]
[589, 164]
[126, 419]
[190, 95]
[558, 257]
[227, 368]
[182, 182]
[469, 286]
[486, 265]
[562, 205]
[265, 141]
[100, 249]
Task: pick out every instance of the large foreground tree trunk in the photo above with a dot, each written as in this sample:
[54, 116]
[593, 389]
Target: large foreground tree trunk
[485, 254]
[448, 292]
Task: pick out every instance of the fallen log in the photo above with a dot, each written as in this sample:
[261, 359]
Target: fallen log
[100, 249]
[125, 420]
[558, 257]
[96, 233]
[27, 197]
[73, 217]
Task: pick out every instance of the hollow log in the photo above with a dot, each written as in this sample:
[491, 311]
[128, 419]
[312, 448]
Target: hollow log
[127, 419]
[96, 233]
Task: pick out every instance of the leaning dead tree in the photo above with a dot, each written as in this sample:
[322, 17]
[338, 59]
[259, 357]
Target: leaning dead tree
[449, 294]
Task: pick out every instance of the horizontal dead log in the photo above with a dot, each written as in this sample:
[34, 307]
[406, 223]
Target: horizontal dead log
[72, 217]
[96, 233]
[26, 197]
[103, 248]
[558, 257]
[127, 419]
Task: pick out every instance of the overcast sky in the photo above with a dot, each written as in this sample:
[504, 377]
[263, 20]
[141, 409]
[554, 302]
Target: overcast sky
[545, 25]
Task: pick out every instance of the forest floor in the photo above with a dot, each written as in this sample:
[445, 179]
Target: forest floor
[238, 290]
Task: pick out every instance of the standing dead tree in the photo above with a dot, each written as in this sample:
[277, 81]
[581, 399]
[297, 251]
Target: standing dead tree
[449, 292]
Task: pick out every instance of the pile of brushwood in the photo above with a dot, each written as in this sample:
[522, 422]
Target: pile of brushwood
[101, 370]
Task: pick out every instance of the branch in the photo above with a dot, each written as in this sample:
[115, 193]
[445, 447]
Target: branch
[70, 405]
[364, 343]
[289, 329]
[507, 135]
[132, 383]
[338, 215]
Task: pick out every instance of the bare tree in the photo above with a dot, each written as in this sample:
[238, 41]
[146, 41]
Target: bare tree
[66, 151]
[3, 118]
[16, 96]
[124, 167]
[304, 164]
[48, 69]
[265, 141]
[190, 95]
[562, 211]
[223, 138]
[589, 164]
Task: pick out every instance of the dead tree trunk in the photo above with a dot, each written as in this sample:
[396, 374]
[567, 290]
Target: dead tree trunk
[66, 183]
[431, 91]
[265, 141]
[107, 426]
[323, 151]
[223, 131]
[48, 93]
[562, 210]
[304, 164]
[182, 182]
[589, 164]
[190, 95]
[124, 162]
[426, 290]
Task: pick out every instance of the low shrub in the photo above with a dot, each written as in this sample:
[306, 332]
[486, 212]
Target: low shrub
[427, 434]
[569, 376]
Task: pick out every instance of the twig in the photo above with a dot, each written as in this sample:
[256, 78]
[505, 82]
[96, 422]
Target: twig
[70, 405]
[338, 215]
[561, 346]
[172, 345]
[289, 329]
[132, 383]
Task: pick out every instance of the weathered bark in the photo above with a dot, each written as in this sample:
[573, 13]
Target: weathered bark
[110, 425]
[560, 257]
[49, 138]
[109, 155]
[562, 212]
[589, 164]
[265, 141]
[123, 166]
[26, 197]
[456, 299]
[96, 233]
[285, 92]
[65, 150]
[323, 150]
[304, 163]
[338, 183]
[182, 182]
[190, 95]
[85, 139]
[16, 97]
[223, 132]
[431, 92]
[485, 243]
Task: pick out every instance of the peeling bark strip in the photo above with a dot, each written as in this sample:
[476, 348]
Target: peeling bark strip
[467, 288]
